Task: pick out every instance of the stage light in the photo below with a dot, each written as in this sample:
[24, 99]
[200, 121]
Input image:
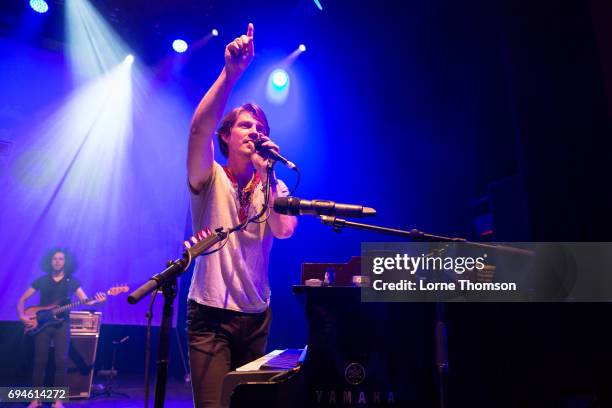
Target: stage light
[278, 86]
[39, 6]
[129, 58]
[94, 48]
[318, 3]
[280, 79]
[214, 32]
[302, 47]
[179, 45]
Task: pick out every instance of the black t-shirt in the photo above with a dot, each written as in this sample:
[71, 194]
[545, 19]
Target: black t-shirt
[55, 292]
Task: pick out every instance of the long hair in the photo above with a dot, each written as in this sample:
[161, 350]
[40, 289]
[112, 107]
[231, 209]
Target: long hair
[70, 264]
[230, 120]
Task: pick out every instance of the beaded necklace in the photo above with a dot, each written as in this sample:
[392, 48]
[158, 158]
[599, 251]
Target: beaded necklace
[244, 196]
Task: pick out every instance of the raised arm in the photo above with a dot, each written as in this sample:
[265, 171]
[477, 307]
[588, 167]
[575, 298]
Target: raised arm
[238, 55]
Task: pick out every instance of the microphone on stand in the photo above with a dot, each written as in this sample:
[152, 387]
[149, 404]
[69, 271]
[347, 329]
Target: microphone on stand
[268, 153]
[297, 206]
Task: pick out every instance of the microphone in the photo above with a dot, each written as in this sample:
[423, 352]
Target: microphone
[297, 206]
[272, 154]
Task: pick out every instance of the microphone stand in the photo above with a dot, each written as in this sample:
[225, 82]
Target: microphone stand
[166, 281]
[440, 336]
[338, 223]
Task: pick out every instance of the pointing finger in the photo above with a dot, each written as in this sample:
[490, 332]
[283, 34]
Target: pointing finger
[250, 30]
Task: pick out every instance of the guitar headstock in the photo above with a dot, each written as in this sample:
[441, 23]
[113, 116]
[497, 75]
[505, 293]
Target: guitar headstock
[116, 290]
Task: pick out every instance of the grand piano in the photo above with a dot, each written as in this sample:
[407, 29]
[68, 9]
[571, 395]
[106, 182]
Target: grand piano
[361, 354]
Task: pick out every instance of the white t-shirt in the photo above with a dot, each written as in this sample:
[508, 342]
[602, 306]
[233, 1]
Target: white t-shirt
[236, 277]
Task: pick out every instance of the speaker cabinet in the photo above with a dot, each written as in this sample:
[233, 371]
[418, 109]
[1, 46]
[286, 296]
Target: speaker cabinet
[81, 359]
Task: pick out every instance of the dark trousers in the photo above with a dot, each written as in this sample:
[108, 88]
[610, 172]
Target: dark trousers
[221, 340]
[60, 335]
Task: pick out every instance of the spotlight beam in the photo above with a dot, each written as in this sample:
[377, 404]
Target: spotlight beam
[64, 176]
[290, 59]
[94, 48]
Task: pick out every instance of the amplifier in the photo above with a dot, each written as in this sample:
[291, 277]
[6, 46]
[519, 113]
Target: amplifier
[82, 322]
[81, 359]
[84, 332]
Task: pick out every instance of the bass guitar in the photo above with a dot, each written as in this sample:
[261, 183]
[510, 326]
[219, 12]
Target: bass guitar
[43, 316]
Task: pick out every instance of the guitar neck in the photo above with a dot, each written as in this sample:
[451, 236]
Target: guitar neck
[65, 308]
[114, 291]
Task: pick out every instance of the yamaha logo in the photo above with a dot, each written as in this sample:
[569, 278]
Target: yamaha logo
[354, 374]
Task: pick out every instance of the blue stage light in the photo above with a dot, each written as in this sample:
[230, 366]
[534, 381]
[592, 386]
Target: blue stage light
[179, 45]
[278, 86]
[214, 32]
[302, 47]
[39, 6]
[129, 59]
[280, 78]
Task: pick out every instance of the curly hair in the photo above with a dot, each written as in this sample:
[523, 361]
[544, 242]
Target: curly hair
[230, 120]
[70, 264]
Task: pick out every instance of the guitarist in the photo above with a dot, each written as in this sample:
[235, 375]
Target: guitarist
[56, 286]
